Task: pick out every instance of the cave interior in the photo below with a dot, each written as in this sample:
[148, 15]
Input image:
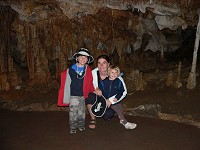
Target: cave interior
[149, 40]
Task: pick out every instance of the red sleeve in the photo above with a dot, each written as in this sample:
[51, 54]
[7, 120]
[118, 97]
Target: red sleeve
[88, 82]
[91, 80]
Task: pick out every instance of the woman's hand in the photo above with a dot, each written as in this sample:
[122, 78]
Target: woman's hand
[108, 103]
[98, 91]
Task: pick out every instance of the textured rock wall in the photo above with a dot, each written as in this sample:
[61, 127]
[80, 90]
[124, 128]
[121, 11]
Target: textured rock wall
[39, 38]
[8, 74]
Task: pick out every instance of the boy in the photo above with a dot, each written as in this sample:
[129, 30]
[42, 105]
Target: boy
[112, 90]
[76, 84]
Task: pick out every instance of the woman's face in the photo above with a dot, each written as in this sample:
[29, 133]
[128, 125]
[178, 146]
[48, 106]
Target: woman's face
[102, 65]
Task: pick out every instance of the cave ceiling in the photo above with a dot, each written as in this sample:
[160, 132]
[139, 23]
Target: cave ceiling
[169, 13]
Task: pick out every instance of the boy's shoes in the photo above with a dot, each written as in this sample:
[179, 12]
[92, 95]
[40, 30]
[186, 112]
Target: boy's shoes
[72, 131]
[128, 125]
[81, 128]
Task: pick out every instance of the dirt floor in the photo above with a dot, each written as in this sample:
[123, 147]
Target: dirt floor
[50, 131]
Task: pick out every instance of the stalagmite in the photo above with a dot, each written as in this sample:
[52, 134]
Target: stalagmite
[29, 53]
[162, 55]
[178, 83]
[170, 78]
[192, 77]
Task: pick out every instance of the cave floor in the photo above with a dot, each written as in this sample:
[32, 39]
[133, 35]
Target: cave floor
[24, 127]
[180, 101]
[50, 130]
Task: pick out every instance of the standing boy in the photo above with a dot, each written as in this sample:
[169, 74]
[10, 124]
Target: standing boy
[76, 84]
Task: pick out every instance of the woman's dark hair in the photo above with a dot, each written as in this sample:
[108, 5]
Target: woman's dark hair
[104, 57]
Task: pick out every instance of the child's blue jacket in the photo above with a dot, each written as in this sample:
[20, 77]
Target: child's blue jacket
[112, 87]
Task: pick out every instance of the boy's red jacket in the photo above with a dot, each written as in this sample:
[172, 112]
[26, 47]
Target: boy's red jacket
[64, 91]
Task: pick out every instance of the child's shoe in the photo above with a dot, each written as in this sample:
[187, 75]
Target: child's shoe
[72, 131]
[81, 128]
[128, 125]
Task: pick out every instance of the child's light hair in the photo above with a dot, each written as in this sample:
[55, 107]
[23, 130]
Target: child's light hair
[113, 67]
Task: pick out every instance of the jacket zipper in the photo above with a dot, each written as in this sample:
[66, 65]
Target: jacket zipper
[110, 88]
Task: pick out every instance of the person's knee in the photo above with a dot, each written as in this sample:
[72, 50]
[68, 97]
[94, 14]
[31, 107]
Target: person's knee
[90, 99]
[107, 117]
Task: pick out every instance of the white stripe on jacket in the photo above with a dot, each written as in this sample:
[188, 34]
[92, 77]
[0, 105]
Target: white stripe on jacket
[95, 83]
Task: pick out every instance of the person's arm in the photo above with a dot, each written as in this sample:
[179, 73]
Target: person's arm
[121, 93]
[125, 89]
[98, 91]
[95, 78]
[108, 103]
[95, 82]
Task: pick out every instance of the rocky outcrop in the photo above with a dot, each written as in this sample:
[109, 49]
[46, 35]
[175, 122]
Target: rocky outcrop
[169, 14]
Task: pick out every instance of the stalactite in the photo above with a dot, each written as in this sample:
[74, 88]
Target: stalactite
[8, 75]
[40, 53]
[170, 78]
[29, 54]
[136, 80]
[33, 31]
[162, 54]
[62, 60]
[178, 83]
[10, 63]
[58, 71]
[4, 85]
[27, 31]
[30, 62]
[6, 50]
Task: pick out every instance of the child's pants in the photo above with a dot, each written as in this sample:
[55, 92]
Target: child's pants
[76, 112]
[118, 109]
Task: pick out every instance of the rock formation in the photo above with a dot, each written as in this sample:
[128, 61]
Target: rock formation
[38, 38]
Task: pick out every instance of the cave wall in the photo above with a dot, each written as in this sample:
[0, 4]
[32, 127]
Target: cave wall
[40, 46]
[8, 71]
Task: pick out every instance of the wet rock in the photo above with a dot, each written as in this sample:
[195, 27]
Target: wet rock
[149, 110]
[187, 119]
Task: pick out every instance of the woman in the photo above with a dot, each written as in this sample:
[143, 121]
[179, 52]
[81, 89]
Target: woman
[99, 74]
